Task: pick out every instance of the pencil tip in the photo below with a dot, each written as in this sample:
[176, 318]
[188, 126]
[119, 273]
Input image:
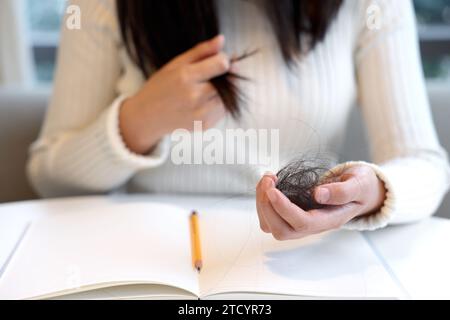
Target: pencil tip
[194, 212]
[198, 269]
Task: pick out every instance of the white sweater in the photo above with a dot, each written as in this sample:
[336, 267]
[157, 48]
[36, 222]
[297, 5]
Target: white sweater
[80, 150]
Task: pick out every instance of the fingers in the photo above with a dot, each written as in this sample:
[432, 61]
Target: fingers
[200, 51]
[261, 189]
[199, 94]
[276, 225]
[271, 176]
[260, 194]
[277, 215]
[211, 67]
[339, 193]
[333, 217]
[205, 92]
[203, 62]
[290, 213]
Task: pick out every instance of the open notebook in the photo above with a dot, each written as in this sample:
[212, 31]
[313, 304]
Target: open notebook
[142, 250]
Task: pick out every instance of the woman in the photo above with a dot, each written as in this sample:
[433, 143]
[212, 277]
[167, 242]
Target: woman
[129, 78]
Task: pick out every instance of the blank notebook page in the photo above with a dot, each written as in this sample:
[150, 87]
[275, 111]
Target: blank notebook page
[136, 243]
[239, 257]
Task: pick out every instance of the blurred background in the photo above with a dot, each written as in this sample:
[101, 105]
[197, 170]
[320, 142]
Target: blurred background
[29, 37]
[42, 19]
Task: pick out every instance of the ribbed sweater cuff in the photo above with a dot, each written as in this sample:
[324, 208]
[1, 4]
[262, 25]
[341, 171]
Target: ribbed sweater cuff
[381, 218]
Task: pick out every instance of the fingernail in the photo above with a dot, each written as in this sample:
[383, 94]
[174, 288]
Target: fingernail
[322, 195]
[268, 173]
[272, 195]
[220, 38]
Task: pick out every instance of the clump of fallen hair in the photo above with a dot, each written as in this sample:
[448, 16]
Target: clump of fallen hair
[298, 179]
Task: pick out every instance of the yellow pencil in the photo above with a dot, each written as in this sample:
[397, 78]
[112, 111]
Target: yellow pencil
[195, 240]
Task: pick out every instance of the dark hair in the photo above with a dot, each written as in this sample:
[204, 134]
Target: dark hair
[156, 31]
[299, 178]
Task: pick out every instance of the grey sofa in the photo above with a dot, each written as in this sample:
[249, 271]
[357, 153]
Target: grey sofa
[21, 114]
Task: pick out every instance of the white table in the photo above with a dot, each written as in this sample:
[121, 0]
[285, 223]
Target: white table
[416, 255]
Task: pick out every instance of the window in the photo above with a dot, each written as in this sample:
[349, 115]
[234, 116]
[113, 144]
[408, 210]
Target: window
[434, 30]
[44, 18]
[433, 16]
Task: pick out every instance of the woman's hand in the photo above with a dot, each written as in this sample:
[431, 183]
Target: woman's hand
[359, 192]
[176, 96]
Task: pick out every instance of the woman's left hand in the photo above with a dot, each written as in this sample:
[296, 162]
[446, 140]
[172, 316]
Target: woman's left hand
[359, 192]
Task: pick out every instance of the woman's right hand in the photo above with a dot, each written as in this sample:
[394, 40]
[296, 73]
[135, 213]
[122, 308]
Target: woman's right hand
[175, 96]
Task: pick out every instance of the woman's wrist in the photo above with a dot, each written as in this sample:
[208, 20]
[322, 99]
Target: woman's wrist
[139, 131]
[379, 196]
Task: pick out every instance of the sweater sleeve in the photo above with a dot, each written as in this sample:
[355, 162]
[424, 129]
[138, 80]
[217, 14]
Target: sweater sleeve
[80, 149]
[395, 107]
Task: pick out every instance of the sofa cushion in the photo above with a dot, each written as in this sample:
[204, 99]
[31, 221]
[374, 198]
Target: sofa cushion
[21, 115]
